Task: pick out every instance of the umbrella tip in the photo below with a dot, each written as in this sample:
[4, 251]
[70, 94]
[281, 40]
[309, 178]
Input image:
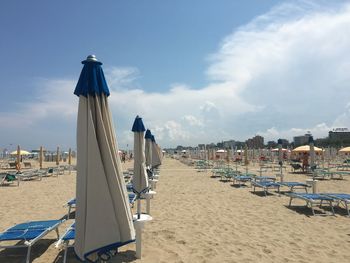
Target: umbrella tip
[138, 125]
[91, 58]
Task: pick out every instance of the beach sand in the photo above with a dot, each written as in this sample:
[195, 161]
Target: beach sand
[196, 219]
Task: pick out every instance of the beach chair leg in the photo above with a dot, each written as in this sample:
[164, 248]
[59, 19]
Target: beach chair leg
[290, 201]
[28, 254]
[69, 208]
[312, 208]
[331, 204]
[65, 253]
[58, 233]
[347, 208]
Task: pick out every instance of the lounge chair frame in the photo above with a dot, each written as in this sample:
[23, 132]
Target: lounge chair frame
[313, 200]
[341, 199]
[295, 185]
[29, 243]
[266, 185]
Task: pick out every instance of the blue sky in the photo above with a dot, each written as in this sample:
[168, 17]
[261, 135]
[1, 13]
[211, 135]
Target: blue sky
[199, 71]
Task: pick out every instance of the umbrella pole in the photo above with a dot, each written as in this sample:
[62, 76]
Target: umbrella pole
[138, 241]
[41, 158]
[70, 160]
[18, 164]
[139, 207]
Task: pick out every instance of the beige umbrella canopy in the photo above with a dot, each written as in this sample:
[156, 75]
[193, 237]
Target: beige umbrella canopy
[345, 150]
[276, 150]
[306, 148]
[21, 152]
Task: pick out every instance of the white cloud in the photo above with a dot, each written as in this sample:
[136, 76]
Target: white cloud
[121, 77]
[193, 121]
[281, 75]
[53, 100]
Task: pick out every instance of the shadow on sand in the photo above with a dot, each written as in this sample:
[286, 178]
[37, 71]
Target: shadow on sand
[18, 255]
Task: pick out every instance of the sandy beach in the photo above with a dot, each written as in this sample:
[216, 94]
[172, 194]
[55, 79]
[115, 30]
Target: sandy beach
[196, 219]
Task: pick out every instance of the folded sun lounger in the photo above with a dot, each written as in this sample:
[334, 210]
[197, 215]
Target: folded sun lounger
[312, 200]
[29, 233]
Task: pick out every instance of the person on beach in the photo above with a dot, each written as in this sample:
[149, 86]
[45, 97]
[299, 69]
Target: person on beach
[123, 157]
[305, 162]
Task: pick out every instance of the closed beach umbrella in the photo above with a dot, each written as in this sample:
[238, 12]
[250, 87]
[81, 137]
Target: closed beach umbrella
[139, 178]
[70, 156]
[312, 151]
[246, 162]
[41, 155]
[18, 160]
[280, 152]
[148, 148]
[58, 156]
[280, 157]
[155, 154]
[103, 216]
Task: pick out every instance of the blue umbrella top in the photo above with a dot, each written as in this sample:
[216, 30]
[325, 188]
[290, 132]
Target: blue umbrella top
[92, 80]
[138, 125]
[148, 134]
[153, 139]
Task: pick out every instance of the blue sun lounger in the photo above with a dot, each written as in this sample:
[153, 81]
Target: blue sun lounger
[264, 178]
[243, 179]
[72, 203]
[266, 185]
[312, 200]
[295, 185]
[70, 236]
[29, 233]
[341, 199]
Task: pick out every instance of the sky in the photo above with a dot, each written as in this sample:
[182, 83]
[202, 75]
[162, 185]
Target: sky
[196, 71]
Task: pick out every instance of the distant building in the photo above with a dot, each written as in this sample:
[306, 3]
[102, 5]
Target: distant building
[285, 143]
[301, 140]
[256, 142]
[229, 144]
[339, 134]
[271, 144]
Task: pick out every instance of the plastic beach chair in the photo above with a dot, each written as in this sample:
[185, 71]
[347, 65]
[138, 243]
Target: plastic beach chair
[6, 179]
[312, 200]
[67, 241]
[295, 185]
[341, 199]
[242, 179]
[29, 233]
[31, 175]
[266, 185]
